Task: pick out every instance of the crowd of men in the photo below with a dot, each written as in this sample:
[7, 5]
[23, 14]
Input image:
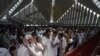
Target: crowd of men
[42, 42]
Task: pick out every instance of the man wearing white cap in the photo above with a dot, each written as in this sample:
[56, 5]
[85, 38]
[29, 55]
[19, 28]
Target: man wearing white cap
[34, 48]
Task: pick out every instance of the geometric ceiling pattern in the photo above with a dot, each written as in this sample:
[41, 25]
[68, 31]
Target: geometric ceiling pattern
[40, 10]
[4, 4]
[29, 15]
[80, 16]
[44, 6]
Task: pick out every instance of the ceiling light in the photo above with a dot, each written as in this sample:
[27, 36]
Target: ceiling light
[67, 10]
[81, 5]
[84, 7]
[36, 25]
[18, 3]
[61, 18]
[94, 13]
[73, 5]
[63, 15]
[12, 10]
[98, 15]
[53, 2]
[90, 11]
[87, 9]
[27, 24]
[4, 17]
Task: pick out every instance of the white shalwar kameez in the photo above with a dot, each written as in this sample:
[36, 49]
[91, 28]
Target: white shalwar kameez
[48, 47]
[22, 51]
[79, 39]
[4, 52]
[35, 49]
[56, 40]
[63, 45]
[82, 36]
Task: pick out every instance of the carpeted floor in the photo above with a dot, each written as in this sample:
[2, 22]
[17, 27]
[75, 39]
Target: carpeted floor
[87, 48]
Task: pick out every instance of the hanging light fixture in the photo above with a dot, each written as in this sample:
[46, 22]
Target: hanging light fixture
[91, 11]
[98, 15]
[94, 13]
[84, 7]
[81, 5]
[73, 5]
[87, 9]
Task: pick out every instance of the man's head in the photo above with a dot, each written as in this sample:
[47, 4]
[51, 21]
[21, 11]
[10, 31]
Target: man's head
[60, 35]
[34, 36]
[29, 38]
[13, 50]
[47, 32]
[55, 33]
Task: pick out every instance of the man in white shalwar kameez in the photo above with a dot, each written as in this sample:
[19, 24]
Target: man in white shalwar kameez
[55, 48]
[22, 50]
[34, 48]
[82, 35]
[55, 42]
[62, 44]
[79, 38]
[47, 43]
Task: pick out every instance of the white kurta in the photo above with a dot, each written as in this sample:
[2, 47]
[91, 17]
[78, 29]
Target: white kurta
[35, 49]
[56, 40]
[22, 51]
[83, 36]
[4, 52]
[79, 39]
[48, 47]
[64, 43]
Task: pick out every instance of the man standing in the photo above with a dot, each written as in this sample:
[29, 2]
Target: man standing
[47, 43]
[55, 42]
